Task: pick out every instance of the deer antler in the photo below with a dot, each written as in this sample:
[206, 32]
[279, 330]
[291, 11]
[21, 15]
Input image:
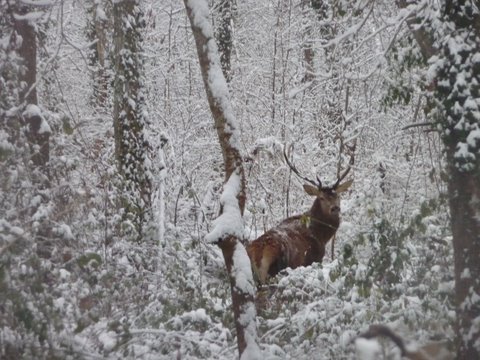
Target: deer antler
[350, 164]
[294, 169]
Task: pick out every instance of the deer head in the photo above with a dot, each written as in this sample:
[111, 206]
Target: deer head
[327, 202]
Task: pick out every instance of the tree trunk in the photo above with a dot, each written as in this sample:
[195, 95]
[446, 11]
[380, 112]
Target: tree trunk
[131, 147]
[464, 195]
[233, 251]
[38, 131]
[455, 98]
[457, 93]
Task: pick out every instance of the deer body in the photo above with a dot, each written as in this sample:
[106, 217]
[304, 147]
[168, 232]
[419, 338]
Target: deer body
[299, 240]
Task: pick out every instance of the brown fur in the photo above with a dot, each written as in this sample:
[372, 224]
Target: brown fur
[299, 240]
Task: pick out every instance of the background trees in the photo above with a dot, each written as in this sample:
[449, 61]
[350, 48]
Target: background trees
[393, 262]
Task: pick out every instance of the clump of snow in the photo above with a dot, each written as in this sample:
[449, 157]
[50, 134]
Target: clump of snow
[64, 274]
[5, 144]
[230, 222]
[473, 138]
[367, 349]
[200, 14]
[463, 152]
[198, 315]
[108, 340]
[242, 270]
[64, 231]
[33, 110]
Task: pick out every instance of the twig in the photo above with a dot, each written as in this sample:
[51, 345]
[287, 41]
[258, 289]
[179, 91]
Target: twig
[429, 123]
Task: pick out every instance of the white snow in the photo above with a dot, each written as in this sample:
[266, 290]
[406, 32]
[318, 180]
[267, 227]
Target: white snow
[64, 231]
[473, 138]
[230, 222]
[465, 274]
[64, 274]
[200, 13]
[216, 80]
[108, 339]
[242, 270]
[367, 349]
[463, 151]
[33, 110]
[31, 16]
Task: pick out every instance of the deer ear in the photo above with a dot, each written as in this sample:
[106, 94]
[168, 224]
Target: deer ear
[311, 190]
[344, 187]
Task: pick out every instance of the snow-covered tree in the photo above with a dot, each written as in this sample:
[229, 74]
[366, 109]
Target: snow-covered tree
[455, 77]
[448, 35]
[228, 230]
[132, 150]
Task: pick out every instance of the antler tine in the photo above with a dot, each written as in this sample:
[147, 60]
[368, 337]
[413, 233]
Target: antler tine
[345, 173]
[294, 169]
[350, 164]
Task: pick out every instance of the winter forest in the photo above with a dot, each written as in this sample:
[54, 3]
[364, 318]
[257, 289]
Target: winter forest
[144, 146]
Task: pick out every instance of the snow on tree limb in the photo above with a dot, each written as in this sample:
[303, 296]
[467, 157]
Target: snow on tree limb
[217, 85]
[242, 272]
[230, 222]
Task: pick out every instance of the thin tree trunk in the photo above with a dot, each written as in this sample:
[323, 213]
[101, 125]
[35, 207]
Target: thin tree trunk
[97, 33]
[234, 253]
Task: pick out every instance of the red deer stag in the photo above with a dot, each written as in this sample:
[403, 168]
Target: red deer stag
[300, 240]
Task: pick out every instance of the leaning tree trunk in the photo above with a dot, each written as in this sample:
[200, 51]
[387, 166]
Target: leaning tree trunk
[229, 225]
